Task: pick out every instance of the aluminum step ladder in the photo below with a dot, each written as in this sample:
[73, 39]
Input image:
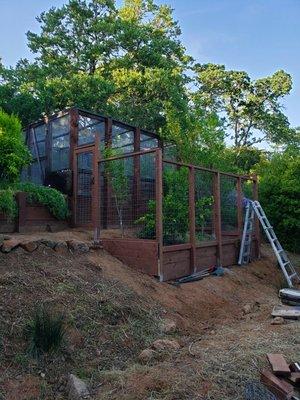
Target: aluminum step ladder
[286, 266]
[245, 250]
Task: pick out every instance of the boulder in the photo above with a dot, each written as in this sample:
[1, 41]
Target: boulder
[9, 245]
[278, 321]
[77, 246]
[77, 389]
[147, 355]
[29, 246]
[49, 243]
[165, 344]
[247, 309]
[168, 326]
[61, 247]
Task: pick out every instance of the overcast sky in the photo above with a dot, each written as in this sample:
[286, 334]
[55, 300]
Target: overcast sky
[258, 36]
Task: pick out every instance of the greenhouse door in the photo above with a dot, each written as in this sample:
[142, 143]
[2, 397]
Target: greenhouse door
[85, 190]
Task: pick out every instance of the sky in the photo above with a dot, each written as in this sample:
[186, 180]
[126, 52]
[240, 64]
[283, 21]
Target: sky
[257, 36]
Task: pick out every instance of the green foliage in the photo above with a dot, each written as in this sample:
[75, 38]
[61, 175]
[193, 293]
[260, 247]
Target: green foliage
[8, 205]
[45, 332]
[13, 153]
[115, 173]
[175, 210]
[252, 108]
[279, 193]
[49, 197]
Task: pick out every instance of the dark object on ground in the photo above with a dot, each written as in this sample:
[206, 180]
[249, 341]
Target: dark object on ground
[192, 278]
[282, 389]
[219, 271]
[294, 378]
[290, 295]
[279, 365]
[254, 390]
[295, 367]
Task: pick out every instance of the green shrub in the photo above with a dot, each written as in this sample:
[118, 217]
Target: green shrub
[54, 200]
[45, 332]
[14, 154]
[8, 205]
[279, 194]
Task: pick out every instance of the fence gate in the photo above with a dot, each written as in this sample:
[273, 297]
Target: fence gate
[84, 185]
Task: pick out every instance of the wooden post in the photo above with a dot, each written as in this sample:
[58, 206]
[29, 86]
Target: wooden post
[192, 218]
[21, 201]
[257, 230]
[96, 191]
[239, 207]
[106, 187]
[136, 176]
[73, 160]
[217, 217]
[159, 210]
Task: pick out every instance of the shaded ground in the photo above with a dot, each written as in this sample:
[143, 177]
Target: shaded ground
[112, 313]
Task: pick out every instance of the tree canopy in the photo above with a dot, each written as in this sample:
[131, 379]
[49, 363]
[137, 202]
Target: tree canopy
[252, 108]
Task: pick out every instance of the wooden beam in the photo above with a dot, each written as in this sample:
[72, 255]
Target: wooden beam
[279, 365]
[159, 210]
[192, 218]
[217, 216]
[283, 390]
[239, 207]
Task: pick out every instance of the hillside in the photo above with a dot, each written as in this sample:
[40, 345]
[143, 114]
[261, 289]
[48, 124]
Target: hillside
[113, 313]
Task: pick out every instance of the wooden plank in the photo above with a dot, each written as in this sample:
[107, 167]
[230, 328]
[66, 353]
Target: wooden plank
[279, 365]
[239, 207]
[286, 312]
[159, 210]
[283, 390]
[176, 264]
[139, 254]
[192, 219]
[217, 216]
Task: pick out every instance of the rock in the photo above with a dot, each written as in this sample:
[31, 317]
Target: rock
[49, 243]
[77, 389]
[9, 245]
[147, 355]
[278, 321]
[168, 326]
[61, 247]
[77, 246]
[247, 309]
[165, 344]
[29, 246]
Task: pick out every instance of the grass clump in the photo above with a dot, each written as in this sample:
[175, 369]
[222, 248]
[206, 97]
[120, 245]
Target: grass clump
[45, 332]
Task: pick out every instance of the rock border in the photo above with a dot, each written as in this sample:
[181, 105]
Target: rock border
[9, 244]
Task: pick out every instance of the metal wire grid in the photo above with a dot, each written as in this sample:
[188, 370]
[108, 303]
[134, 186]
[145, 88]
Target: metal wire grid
[175, 204]
[204, 206]
[228, 195]
[84, 188]
[127, 196]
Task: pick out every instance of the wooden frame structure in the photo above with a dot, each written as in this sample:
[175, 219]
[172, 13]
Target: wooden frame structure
[72, 143]
[173, 261]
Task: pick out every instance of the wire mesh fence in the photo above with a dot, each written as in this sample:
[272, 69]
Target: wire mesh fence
[175, 204]
[84, 188]
[128, 196]
[204, 205]
[229, 203]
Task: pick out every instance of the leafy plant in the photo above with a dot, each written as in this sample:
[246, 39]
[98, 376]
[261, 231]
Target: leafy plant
[49, 197]
[279, 194]
[45, 332]
[8, 205]
[13, 152]
[118, 181]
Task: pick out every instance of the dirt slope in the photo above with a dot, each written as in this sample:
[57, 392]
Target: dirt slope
[113, 312]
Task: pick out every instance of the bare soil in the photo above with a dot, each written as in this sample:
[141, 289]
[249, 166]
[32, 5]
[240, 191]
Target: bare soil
[113, 312]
